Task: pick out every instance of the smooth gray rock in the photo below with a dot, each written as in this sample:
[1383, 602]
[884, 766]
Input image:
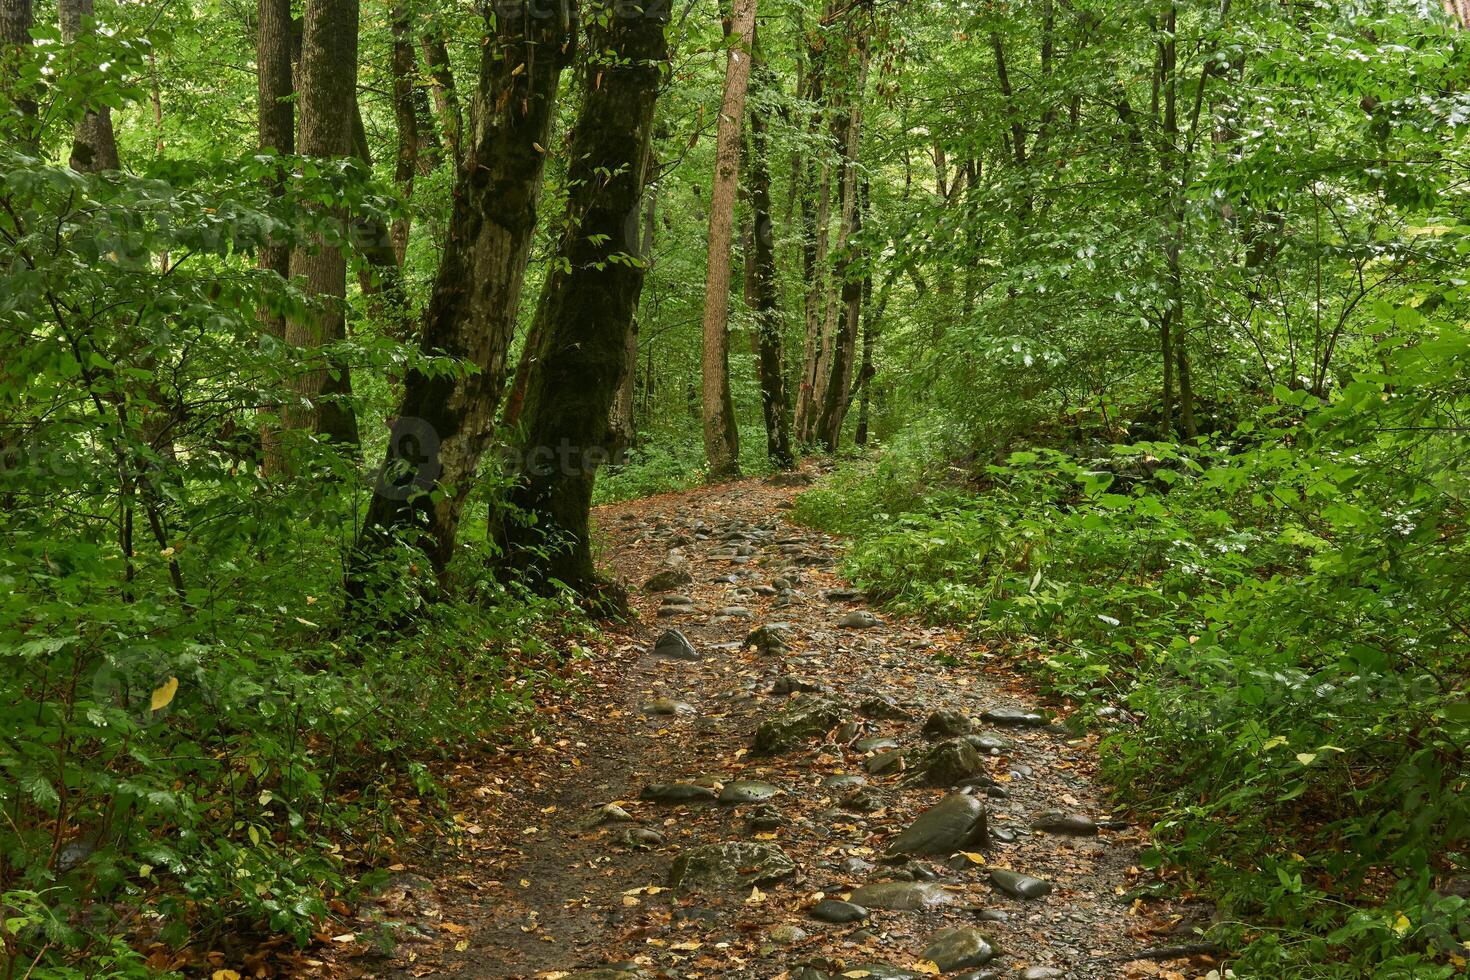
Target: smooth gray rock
[844, 781]
[804, 718]
[885, 762]
[677, 793]
[1067, 824]
[675, 646]
[838, 912]
[788, 935]
[740, 864]
[1013, 718]
[1018, 885]
[859, 620]
[901, 896]
[882, 706]
[955, 823]
[791, 684]
[1042, 973]
[960, 948]
[747, 791]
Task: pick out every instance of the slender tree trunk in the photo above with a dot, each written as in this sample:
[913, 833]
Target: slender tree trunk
[445, 424]
[770, 359]
[276, 118]
[835, 397]
[327, 98]
[721, 431]
[94, 147]
[16, 20]
[1174, 167]
[588, 303]
[446, 97]
[405, 114]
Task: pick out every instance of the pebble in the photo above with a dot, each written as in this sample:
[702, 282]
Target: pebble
[675, 646]
[1018, 885]
[837, 912]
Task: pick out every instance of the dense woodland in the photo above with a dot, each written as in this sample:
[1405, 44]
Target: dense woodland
[1135, 335]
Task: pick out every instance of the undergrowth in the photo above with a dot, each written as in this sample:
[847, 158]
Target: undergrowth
[1282, 617]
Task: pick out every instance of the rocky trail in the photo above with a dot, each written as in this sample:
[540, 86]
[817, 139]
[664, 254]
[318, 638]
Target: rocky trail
[764, 778]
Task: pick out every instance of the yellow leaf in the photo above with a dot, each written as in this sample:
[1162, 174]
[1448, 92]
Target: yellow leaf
[927, 967]
[1274, 741]
[1306, 758]
[462, 945]
[755, 897]
[630, 901]
[857, 973]
[163, 695]
[1401, 924]
[973, 857]
[224, 975]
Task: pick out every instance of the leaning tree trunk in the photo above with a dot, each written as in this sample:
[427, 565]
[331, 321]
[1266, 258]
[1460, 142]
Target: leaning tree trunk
[769, 360]
[94, 147]
[446, 97]
[327, 98]
[834, 394]
[721, 432]
[587, 305]
[624, 417]
[445, 422]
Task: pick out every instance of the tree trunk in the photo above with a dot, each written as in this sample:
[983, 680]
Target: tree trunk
[446, 97]
[721, 432]
[16, 20]
[624, 420]
[844, 340]
[327, 98]
[276, 124]
[405, 115]
[445, 424]
[94, 147]
[588, 303]
[770, 359]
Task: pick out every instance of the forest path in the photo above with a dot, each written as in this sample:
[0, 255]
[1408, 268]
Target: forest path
[543, 889]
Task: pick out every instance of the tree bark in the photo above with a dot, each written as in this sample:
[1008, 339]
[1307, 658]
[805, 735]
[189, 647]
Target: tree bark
[770, 359]
[844, 339]
[276, 125]
[588, 303]
[721, 431]
[94, 146]
[446, 96]
[406, 116]
[327, 98]
[445, 423]
[16, 20]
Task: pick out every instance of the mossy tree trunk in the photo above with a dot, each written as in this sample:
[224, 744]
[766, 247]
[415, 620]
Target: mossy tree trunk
[588, 303]
[446, 419]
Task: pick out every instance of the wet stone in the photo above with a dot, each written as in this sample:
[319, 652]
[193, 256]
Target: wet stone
[747, 791]
[944, 723]
[677, 793]
[838, 913]
[1042, 973]
[739, 865]
[901, 896]
[954, 824]
[1018, 885]
[1013, 718]
[846, 781]
[987, 743]
[734, 612]
[843, 595]
[1067, 824]
[674, 645]
[859, 620]
[960, 948]
[805, 718]
[676, 599]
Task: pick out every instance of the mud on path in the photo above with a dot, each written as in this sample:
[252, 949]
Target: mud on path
[550, 885]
